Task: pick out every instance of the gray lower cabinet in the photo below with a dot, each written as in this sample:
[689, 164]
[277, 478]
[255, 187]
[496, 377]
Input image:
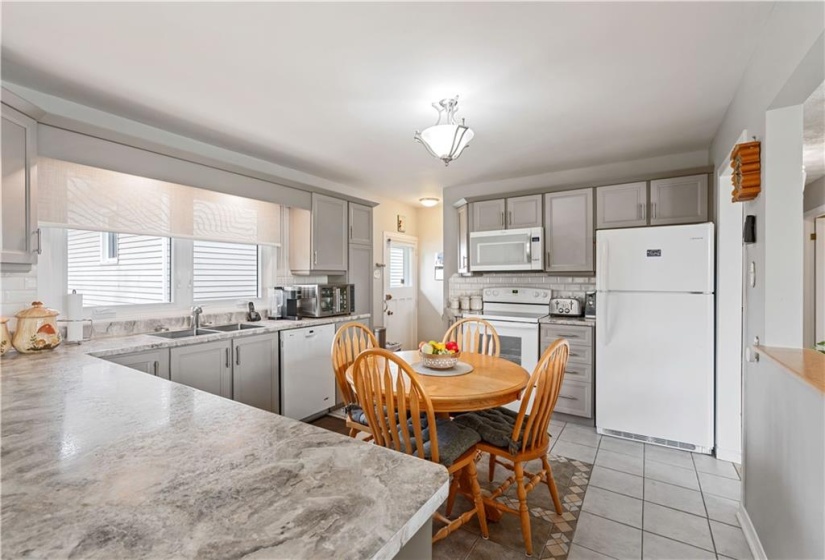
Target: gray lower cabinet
[679, 200]
[577, 393]
[206, 366]
[487, 215]
[569, 233]
[255, 371]
[153, 362]
[524, 211]
[619, 206]
[19, 236]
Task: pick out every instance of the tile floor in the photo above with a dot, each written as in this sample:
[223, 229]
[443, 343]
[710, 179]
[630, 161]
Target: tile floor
[641, 501]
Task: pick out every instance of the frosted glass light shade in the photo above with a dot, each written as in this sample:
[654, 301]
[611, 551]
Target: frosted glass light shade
[446, 141]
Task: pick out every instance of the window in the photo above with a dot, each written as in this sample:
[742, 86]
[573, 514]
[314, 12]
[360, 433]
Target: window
[401, 265]
[118, 269]
[225, 271]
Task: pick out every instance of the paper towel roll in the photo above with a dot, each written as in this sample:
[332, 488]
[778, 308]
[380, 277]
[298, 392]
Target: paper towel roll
[73, 305]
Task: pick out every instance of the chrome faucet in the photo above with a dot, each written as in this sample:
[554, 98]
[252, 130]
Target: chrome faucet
[196, 317]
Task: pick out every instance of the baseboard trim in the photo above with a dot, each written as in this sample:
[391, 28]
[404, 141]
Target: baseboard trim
[729, 455]
[751, 536]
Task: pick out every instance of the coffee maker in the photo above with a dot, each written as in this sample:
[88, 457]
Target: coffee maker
[277, 303]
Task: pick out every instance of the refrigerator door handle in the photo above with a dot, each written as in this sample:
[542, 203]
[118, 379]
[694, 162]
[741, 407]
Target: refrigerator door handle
[601, 270]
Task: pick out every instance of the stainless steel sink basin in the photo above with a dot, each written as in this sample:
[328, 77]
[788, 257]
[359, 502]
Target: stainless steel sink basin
[234, 327]
[182, 334]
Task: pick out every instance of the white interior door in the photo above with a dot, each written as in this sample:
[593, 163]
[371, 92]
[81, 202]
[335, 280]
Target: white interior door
[400, 289]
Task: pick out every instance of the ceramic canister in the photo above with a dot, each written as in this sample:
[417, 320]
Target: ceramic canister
[5, 337]
[36, 329]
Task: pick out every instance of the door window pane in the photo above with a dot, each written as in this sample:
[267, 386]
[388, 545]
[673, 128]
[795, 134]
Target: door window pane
[401, 257]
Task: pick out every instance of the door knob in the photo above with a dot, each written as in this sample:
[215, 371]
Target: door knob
[388, 297]
[389, 312]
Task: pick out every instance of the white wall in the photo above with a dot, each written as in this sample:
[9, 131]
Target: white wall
[431, 326]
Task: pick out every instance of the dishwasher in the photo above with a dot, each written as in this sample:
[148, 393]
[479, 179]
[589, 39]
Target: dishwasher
[307, 379]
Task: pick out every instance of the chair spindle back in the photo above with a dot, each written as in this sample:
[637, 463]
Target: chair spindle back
[350, 340]
[474, 335]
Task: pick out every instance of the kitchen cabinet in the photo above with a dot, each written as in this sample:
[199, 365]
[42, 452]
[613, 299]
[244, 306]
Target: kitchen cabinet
[463, 240]
[524, 212]
[360, 275]
[506, 213]
[360, 224]
[679, 200]
[577, 393]
[619, 206]
[255, 371]
[206, 366]
[487, 215]
[569, 233]
[19, 233]
[318, 238]
[153, 362]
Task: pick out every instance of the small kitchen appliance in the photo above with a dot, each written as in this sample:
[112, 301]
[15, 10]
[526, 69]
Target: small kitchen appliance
[566, 307]
[655, 339]
[507, 250]
[277, 303]
[590, 305]
[325, 300]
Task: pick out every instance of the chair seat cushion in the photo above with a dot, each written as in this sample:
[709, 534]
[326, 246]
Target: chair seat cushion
[495, 426]
[356, 414]
[453, 439]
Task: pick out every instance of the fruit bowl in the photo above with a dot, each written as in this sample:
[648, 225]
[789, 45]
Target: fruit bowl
[439, 361]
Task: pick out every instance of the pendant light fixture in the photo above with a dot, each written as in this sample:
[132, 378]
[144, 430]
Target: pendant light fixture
[446, 139]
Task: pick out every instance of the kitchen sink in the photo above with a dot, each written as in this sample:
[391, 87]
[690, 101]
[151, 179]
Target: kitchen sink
[182, 334]
[234, 327]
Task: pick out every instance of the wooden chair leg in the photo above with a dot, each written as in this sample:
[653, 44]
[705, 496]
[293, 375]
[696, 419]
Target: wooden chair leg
[551, 484]
[480, 512]
[492, 468]
[451, 495]
[522, 508]
[353, 432]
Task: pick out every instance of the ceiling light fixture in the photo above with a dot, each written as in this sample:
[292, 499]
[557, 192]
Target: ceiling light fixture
[428, 201]
[446, 140]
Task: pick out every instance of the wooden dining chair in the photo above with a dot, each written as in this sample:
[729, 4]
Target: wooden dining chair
[350, 340]
[401, 416]
[513, 439]
[474, 335]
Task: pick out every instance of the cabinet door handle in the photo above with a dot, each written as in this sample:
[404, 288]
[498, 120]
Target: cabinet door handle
[502, 219]
[227, 357]
[39, 234]
[563, 335]
[156, 366]
[315, 257]
[548, 259]
[568, 398]
[237, 356]
[510, 218]
[350, 232]
[639, 211]
[654, 210]
[644, 211]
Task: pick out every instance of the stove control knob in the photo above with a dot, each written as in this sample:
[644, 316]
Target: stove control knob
[495, 292]
[535, 294]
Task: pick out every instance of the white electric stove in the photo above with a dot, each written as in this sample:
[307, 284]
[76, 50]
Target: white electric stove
[515, 312]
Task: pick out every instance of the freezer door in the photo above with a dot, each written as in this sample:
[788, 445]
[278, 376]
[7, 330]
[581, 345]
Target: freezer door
[654, 366]
[656, 259]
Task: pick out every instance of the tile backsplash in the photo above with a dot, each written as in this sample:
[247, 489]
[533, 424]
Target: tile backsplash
[561, 286]
[17, 290]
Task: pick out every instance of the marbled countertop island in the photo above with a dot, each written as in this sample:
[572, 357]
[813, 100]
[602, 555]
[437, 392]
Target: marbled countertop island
[101, 461]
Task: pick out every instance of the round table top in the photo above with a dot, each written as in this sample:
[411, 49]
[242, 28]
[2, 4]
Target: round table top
[493, 382]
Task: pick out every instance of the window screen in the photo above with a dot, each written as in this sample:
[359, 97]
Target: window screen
[224, 270]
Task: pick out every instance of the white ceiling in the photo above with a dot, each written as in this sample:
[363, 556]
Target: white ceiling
[813, 143]
[337, 90]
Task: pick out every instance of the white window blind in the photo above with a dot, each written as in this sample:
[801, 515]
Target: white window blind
[81, 197]
[225, 271]
[401, 266]
[140, 273]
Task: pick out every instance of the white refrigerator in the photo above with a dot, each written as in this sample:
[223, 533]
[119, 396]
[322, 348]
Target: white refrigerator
[655, 335]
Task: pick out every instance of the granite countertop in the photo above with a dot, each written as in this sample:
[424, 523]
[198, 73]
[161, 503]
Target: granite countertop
[805, 363]
[573, 321]
[101, 461]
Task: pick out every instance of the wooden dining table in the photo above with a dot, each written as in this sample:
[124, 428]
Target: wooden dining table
[493, 382]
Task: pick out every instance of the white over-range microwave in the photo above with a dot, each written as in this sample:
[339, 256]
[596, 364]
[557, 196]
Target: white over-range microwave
[507, 250]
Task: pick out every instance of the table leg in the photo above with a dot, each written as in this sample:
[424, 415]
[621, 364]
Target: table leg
[466, 486]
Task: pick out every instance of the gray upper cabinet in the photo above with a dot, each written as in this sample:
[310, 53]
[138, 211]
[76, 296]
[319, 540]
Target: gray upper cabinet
[206, 366]
[680, 200]
[619, 206]
[524, 212]
[360, 224]
[20, 239]
[153, 362]
[318, 239]
[568, 226]
[487, 215]
[463, 240]
[255, 371]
